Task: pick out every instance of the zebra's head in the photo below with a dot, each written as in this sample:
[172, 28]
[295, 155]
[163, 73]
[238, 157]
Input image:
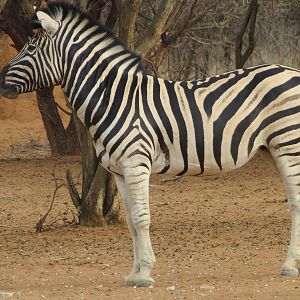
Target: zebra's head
[69, 45]
[37, 65]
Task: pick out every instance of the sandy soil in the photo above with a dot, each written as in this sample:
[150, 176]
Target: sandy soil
[220, 237]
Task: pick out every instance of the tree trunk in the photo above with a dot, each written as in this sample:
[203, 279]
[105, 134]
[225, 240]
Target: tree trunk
[52, 122]
[15, 21]
[112, 202]
[99, 203]
[72, 136]
[250, 18]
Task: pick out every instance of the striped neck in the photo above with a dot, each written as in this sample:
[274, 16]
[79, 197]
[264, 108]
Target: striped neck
[89, 54]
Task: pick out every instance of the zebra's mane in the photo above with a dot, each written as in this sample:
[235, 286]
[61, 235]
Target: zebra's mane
[61, 9]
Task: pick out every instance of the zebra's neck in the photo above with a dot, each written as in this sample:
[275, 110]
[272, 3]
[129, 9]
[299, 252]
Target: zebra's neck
[91, 58]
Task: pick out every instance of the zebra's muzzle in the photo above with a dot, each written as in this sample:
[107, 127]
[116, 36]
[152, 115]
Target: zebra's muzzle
[7, 90]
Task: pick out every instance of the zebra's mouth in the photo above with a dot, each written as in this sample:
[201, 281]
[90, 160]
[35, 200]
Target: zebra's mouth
[7, 90]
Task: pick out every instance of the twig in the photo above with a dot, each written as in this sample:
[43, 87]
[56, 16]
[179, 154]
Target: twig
[152, 65]
[72, 190]
[175, 179]
[210, 42]
[39, 224]
[39, 227]
[71, 224]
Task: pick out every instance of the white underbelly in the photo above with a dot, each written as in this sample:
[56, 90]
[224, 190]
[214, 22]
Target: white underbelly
[175, 163]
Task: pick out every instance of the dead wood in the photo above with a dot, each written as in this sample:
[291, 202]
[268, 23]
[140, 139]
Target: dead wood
[40, 225]
[250, 18]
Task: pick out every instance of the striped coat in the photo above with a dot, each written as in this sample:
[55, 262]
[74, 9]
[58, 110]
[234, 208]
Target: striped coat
[141, 124]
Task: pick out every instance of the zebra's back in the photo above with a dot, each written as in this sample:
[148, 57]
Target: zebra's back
[203, 127]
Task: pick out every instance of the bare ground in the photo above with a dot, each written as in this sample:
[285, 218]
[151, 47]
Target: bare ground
[220, 237]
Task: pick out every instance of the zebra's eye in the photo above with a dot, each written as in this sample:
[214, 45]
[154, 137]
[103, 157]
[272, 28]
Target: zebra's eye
[31, 48]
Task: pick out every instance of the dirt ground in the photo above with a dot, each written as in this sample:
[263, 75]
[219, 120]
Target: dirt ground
[220, 237]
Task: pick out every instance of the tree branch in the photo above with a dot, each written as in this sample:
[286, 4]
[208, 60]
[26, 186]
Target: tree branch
[28, 7]
[40, 223]
[128, 15]
[72, 190]
[2, 4]
[95, 7]
[186, 17]
[112, 16]
[241, 58]
[156, 28]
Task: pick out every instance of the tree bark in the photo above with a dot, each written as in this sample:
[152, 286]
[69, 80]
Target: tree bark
[128, 15]
[112, 16]
[99, 203]
[241, 58]
[2, 3]
[156, 27]
[15, 23]
[72, 137]
[52, 122]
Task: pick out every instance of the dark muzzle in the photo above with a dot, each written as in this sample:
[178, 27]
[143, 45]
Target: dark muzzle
[7, 90]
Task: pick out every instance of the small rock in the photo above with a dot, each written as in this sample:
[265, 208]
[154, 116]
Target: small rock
[206, 287]
[99, 286]
[6, 294]
[171, 288]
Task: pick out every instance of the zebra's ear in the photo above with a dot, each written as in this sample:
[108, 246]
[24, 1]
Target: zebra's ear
[51, 26]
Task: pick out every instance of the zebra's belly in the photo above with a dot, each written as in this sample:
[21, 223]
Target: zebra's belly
[195, 170]
[176, 165]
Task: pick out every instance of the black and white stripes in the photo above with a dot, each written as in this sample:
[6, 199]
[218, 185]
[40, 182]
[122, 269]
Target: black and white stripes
[142, 124]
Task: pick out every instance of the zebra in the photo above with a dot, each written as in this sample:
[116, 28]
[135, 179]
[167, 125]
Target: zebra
[142, 124]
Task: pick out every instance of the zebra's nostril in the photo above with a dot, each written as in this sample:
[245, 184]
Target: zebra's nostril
[7, 90]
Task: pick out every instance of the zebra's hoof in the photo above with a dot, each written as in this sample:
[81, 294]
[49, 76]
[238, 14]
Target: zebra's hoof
[294, 272]
[139, 282]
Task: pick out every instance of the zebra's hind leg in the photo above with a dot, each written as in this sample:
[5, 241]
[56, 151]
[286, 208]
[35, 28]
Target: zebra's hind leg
[134, 190]
[288, 163]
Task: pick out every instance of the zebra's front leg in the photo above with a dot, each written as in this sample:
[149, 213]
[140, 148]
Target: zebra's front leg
[122, 188]
[134, 189]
